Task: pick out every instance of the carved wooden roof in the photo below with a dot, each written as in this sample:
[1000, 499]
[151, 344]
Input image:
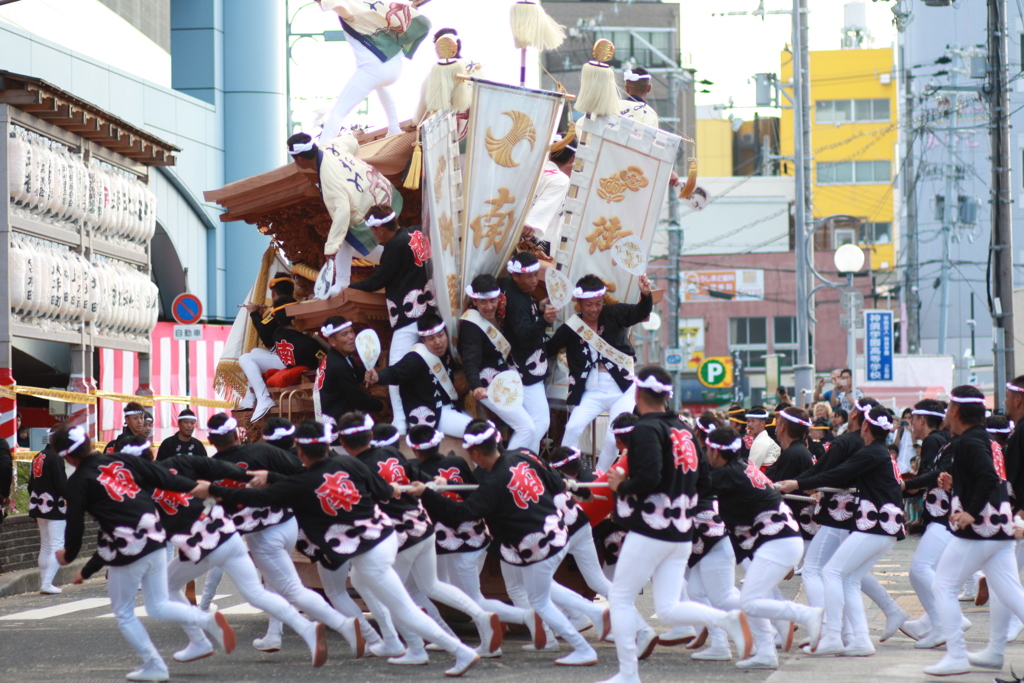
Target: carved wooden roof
[64, 110]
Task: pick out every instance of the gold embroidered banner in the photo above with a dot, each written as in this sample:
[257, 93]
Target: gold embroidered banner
[442, 213]
[510, 131]
[617, 190]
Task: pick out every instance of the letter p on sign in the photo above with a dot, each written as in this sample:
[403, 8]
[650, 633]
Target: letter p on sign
[716, 373]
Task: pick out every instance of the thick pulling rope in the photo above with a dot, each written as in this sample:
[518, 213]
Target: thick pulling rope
[580, 485]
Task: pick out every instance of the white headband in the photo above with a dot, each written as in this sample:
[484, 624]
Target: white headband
[933, 413]
[136, 450]
[279, 433]
[514, 266]
[734, 446]
[758, 416]
[581, 294]
[390, 441]
[966, 399]
[631, 76]
[883, 421]
[652, 383]
[228, 426]
[133, 412]
[998, 430]
[796, 420]
[435, 440]
[190, 416]
[573, 455]
[373, 222]
[300, 147]
[622, 430]
[328, 330]
[472, 294]
[470, 440]
[327, 438]
[707, 430]
[359, 429]
[78, 436]
[1014, 387]
[433, 330]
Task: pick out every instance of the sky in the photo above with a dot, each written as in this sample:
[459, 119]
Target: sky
[726, 50]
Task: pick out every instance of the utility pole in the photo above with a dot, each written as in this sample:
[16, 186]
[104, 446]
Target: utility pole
[675, 243]
[1002, 232]
[949, 204]
[912, 324]
[804, 213]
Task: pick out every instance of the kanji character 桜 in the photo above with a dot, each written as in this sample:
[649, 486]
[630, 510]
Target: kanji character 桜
[118, 482]
[337, 493]
[525, 486]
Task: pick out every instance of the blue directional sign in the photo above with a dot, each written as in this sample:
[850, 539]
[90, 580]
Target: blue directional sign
[878, 345]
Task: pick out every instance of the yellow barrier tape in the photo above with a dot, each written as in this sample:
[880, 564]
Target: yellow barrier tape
[146, 401]
[91, 398]
[52, 394]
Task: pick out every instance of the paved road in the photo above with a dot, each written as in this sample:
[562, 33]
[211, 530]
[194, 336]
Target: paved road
[73, 637]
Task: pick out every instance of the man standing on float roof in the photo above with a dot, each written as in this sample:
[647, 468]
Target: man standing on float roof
[638, 88]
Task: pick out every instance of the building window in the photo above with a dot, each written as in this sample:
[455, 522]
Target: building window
[749, 338]
[876, 233]
[853, 172]
[784, 342]
[851, 111]
[628, 48]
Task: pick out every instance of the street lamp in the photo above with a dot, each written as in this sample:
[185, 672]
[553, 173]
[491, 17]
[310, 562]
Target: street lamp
[849, 259]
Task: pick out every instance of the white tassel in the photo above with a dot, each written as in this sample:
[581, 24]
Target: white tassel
[443, 91]
[599, 96]
[532, 27]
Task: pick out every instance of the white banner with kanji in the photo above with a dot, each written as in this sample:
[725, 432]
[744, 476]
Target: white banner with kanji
[442, 211]
[510, 132]
[617, 189]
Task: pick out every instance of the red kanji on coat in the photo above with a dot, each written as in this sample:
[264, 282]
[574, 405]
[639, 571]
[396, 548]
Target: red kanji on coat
[392, 471]
[748, 441]
[420, 246]
[118, 482]
[684, 450]
[286, 352]
[998, 461]
[452, 476]
[321, 372]
[170, 501]
[525, 486]
[756, 477]
[233, 483]
[37, 465]
[337, 493]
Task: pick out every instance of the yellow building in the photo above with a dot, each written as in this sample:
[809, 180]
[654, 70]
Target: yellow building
[714, 147]
[853, 141]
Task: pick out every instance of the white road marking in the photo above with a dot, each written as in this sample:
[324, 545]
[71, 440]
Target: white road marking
[58, 610]
[244, 608]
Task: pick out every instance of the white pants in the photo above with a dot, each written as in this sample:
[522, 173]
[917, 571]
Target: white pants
[370, 75]
[520, 422]
[233, 558]
[922, 566]
[644, 559]
[772, 562]
[548, 598]
[417, 565]
[210, 587]
[342, 266]
[149, 572]
[271, 551]
[254, 364]
[51, 539]
[959, 560]
[337, 593]
[453, 422]
[463, 571]
[712, 581]
[823, 546]
[402, 341]
[842, 580]
[373, 574]
[535, 401]
[602, 395]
